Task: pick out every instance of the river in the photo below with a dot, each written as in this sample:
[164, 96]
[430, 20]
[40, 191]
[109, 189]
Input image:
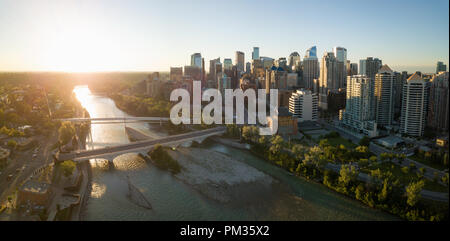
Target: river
[292, 198]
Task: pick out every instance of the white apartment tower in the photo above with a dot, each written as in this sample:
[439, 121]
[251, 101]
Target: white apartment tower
[304, 105]
[414, 106]
[384, 96]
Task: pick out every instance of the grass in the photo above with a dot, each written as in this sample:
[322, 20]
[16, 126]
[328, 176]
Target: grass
[428, 163]
[335, 141]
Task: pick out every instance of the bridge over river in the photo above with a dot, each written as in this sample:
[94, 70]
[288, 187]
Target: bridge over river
[110, 153]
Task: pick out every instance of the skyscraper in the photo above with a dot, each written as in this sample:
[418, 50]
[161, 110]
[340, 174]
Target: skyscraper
[369, 67]
[304, 104]
[255, 53]
[440, 66]
[439, 102]
[227, 64]
[196, 60]
[294, 59]
[311, 68]
[341, 60]
[240, 61]
[282, 62]
[276, 78]
[357, 115]
[176, 73]
[311, 52]
[384, 96]
[414, 106]
[328, 79]
[352, 69]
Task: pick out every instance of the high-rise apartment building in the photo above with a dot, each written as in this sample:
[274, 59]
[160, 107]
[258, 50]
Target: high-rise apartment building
[439, 102]
[414, 106]
[398, 86]
[357, 115]
[440, 66]
[369, 67]
[352, 69]
[304, 105]
[240, 61]
[255, 53]
[384, 96]
[276, 78]
[328, 79]
[196, 60]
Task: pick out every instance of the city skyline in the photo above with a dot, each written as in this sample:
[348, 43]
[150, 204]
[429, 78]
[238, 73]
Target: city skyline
[101, 36]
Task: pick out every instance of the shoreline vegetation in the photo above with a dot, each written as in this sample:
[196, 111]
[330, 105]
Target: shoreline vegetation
[386, 194]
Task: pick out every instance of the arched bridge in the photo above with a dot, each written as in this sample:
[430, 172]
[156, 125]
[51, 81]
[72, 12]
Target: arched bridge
[110, 153]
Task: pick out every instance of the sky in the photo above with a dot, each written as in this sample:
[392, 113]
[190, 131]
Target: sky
[119, 35]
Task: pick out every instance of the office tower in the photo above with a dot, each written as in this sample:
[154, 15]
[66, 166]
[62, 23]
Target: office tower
[384, 96]
[193, 72]
[440, 66]
[212, 69]
[294, 59]
[248, 67]
[414, 106]
[292, 80]
[223, 82]
[255, 53]
[203, 73]
[240, 61]
[340, 54]
[176, 73]
[311, 52]
[439, 100]
[352, 69]
[282, 62]
[369, 67]
[304, 105]
[357, 115]
[196, 60]
[227, 64]
[276, 78]
[328, 79]
[267, 62]
[311, 68]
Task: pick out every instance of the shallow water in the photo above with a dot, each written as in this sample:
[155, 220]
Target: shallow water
[290, 198]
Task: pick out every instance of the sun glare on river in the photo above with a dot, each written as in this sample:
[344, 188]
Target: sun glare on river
[82, 93]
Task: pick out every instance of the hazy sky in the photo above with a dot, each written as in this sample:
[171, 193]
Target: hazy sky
[110, 35]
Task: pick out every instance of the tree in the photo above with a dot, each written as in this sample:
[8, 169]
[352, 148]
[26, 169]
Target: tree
[66, 132]
[365, 141]
[68, 167]
[347, 174]
[413, 192]
[276, 146]
[12, 144]
[298, 151]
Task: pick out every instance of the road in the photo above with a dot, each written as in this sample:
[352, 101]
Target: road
[377, 150]
[89, 154]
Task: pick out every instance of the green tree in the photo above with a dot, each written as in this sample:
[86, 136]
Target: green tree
[347, 174]
[66, 132]
[276, 144]
[68, 167]
[413, 192]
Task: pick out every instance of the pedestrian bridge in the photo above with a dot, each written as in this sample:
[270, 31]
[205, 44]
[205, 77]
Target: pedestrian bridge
[109, 153]
[114, 120]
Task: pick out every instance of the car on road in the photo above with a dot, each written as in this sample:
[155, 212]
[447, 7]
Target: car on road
[9, 177]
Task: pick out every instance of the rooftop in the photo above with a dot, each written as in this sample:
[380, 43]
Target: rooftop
[35, 187]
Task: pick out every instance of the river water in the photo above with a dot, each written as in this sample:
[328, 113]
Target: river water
[292, 199]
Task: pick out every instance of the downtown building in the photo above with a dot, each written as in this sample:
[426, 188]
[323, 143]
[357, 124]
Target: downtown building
[357, 115]
[196, 60]
[311, 68]
[384, 96]
[440, 66]
[439, 102]
[328, 80]
[240, 61]
[414, 106]
[304, 105]
[340, 54]
[176, 73]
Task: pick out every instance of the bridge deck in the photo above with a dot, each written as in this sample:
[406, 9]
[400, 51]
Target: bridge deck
[97, 153]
